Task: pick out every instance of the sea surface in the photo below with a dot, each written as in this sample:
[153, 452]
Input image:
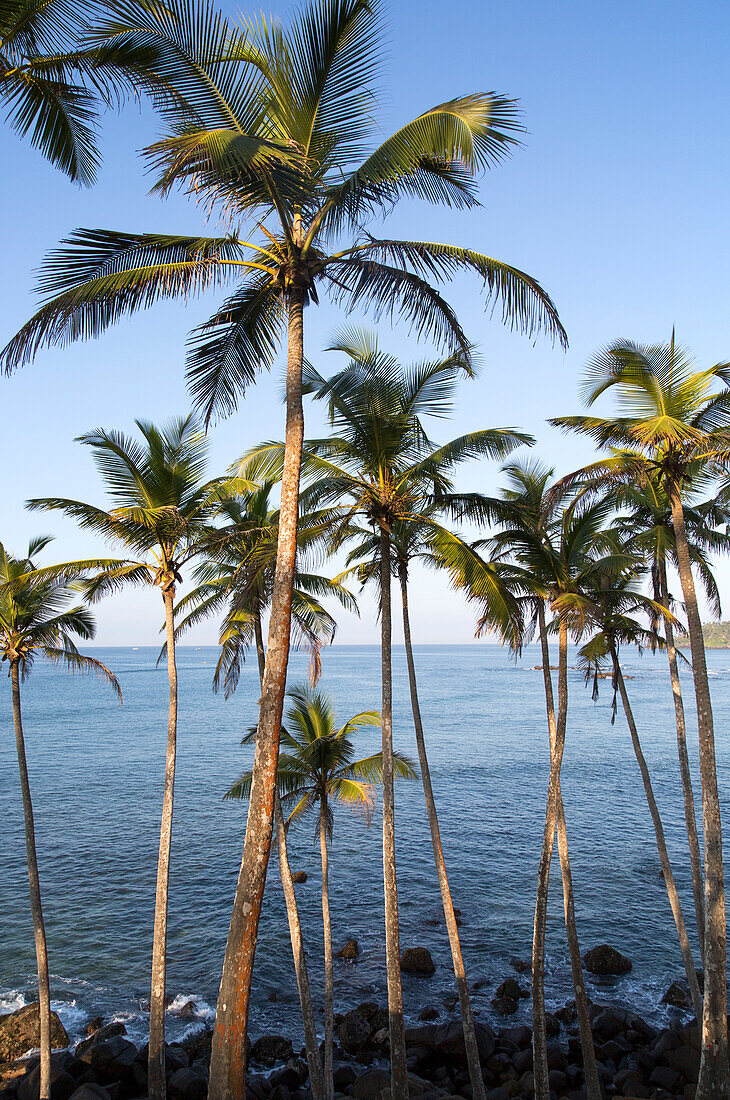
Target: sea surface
[96, 771]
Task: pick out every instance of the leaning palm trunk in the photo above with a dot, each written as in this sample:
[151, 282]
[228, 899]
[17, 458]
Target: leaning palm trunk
[228, 1052]
[714, 1078]
[660, 841]
[467, 1020]
[292, 912]
[590, 1069]
[329, 1010]
[398, 1069]
[539, 1027]
[36, 909]
[690, 818]
[156, 1055]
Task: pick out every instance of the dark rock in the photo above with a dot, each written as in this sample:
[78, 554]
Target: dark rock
[20, 1031]
[520, 1036]
[607, 1024]
[272, 1048]
[273, 996]
[677, 996]
[417, 960]
[188, 1083]
[93, 1025]
[512, 989]
[176, 1057]
[685, 1059]
[62, 1083]
[666, 1077]
[258, 1086]
[90, 1091]
[188, 1011]
[198, 1045]
[353, 1032]
[371, 1083]
[448, 1039]
[605, 959]
[112, 1059]
[522, 1061]
[350, 950]
[427, 1013]
[107, 1031]
[552, 1025]
[505, 1006]
[343, 1076]
[299, 876]
[280, 1092]
[567, 1014]
[518, 964]
[498, 1094]
[557, 1080]
[368, 1009]
[293, 1074]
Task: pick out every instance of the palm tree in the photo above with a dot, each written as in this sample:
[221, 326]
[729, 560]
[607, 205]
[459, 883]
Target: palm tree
[617, 602]
[381, 466]
[239, 577]
[317, 770]
[677, 418]
[648, 518]
[37, 618]
[161, 511]
[54, 75]
[280, 136]
[554, 552]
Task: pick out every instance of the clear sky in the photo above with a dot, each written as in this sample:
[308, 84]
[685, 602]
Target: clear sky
[617, 202]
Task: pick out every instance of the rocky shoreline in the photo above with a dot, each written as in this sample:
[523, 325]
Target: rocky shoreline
[635, 1058]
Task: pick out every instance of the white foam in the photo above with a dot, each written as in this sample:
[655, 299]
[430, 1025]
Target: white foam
[11, 1001]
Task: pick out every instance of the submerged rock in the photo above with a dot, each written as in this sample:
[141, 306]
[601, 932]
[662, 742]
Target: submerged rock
[299, 876]
[677, 996]
[428, 1013]
[518, 964]
[605, 959]
[20, 1031]
[417, 960]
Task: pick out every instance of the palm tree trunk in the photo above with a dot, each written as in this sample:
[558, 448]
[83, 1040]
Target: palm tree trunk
[292, 912]
[36, 909]
[398, 1069]
[539, 1027]
[329, 979]
[588, 1049]
[156, 1056]
[228, 1052]
[685, 948]
[467, 1020]
[690, 817]
[714, 1078]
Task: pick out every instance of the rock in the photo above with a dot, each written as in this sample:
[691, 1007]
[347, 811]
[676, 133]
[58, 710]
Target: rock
[350, 950]
[520, 1036]
[62, 1083]
[353, 1032]
[666, 1077]
[299, 876]
[90, 1091]
[93, 1025]
[107, 1031]
[20, 1031]
[448, 1039]
[188, 1011]
[605, 959]
[188, 1083]
[272, 1048]
[512, 989]
[518, 964]
[677, 996]
[342, 1077]
[371, 1083]
[292, 1075]
[428, 1012]
[272, 996]
[567, 1014]
[368, 1009]
[417, 960]
[112, 1059]
[552, 1025]
[198, 1045]
[505, 1006]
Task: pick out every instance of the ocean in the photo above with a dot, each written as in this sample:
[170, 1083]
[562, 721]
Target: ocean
[96, 772]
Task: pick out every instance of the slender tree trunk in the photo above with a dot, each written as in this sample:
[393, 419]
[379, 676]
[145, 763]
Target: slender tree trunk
[398, 1069]
[714, 1078]
[292, 912]
[467, 1020]
[685, 948]
[36, 909]
[588, 1049]
[539, 1027]
[228, 1053]
[690, 817]
[329, 978]
[156, 1057]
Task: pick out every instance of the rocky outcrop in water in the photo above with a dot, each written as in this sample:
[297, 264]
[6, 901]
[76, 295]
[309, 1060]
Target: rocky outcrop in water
[417, 960]
[20, 1032]
[605, 959]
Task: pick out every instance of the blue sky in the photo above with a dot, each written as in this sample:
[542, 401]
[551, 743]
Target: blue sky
[617, 202]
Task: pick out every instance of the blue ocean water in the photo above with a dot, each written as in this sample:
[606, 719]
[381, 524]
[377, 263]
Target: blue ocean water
[96, 772]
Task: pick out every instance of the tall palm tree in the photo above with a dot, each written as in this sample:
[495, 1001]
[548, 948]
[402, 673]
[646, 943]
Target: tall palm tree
[554, 551]
[317, 770]
[37, 618]
[281, 136]
[678, 419]
[238, 576]
[161, 511]
[617, 601]
[380, 466]
[55, 74]
[647, 520]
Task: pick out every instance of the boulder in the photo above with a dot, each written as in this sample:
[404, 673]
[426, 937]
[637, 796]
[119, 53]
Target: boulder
[90, 1091]
[342, 1077]
[605, 959]
[93, 1025]
[353, 1031]
[272, 1048]
[112, 1059]
[677, 996]
[518, 964]
[368, 1009]
[520, 1036]
[20, 1031]
[427, 1013]
[188, 1083]
[350, 950]
[371, 1083]
[511, 988]
[505, 1006]
[448, 1039]
[107, 1031]
[417, 960]
[62, 1083]
[299, 876]
[188, 1011]
[198, 1045]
